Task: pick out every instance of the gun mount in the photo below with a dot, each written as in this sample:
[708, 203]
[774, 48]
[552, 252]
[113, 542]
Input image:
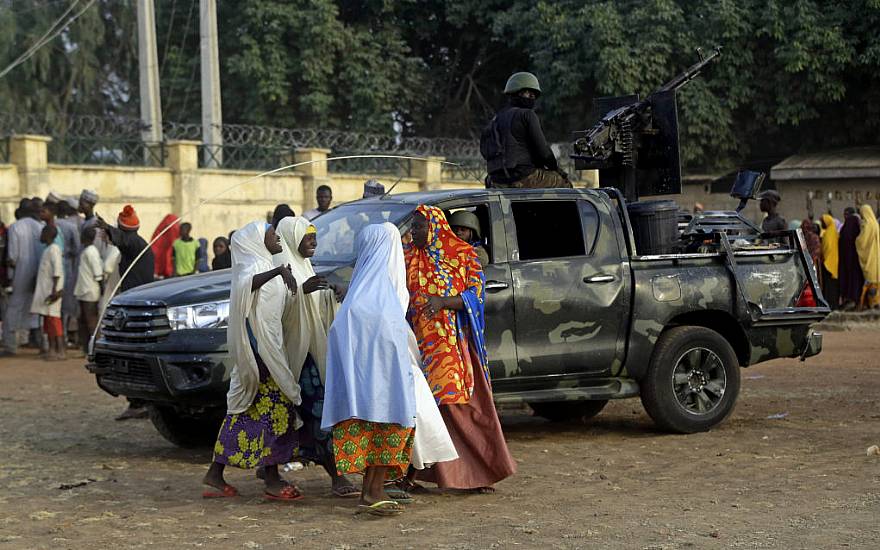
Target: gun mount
[634, 145]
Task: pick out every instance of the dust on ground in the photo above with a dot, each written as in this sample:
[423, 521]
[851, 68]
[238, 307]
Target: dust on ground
[787, 470]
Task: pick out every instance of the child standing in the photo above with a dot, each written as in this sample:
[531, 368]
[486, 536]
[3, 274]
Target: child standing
[47, 296]
[186, 252]
[88, 285]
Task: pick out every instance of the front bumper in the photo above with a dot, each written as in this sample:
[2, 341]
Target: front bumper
[813, 345]
[181, 377]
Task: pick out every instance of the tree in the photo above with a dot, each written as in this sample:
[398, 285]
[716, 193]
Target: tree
[84, 70]
[795, 74]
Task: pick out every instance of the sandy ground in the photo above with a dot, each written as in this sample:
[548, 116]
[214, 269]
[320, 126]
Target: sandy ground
[801, 481]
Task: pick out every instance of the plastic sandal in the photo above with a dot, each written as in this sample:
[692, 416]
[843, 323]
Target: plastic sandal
[382, 508]
[288, 493]
[228, 492]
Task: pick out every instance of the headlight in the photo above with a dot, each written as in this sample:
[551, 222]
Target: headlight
[212, 315]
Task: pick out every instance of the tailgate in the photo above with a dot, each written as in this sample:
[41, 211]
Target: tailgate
[772, 283]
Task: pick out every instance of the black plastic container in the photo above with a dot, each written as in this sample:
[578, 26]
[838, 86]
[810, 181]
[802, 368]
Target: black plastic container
[654, 225]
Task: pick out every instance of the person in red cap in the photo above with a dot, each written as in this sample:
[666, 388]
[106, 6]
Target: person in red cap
[130, 245]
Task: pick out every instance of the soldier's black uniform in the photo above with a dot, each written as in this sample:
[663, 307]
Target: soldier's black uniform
[526, 151]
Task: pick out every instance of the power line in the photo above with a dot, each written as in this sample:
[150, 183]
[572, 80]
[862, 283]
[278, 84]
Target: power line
[48, 36]
[33, 7]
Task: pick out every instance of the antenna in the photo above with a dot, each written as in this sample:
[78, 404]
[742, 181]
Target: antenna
[386, 193]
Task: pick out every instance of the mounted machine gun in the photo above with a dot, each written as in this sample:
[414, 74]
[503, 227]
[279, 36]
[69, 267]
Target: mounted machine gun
[635, 144]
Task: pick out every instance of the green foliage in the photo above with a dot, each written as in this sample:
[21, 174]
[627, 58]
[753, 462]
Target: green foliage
[85, 69]
[794, 75]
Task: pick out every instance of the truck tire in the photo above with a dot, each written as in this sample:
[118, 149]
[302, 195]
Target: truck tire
[187, 431]
[562, 411]
[692, 382]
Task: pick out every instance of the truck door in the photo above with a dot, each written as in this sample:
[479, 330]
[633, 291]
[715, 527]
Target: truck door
[569, 287]
[499, 335]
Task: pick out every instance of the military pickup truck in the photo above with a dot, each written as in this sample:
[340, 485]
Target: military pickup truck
[575, 316]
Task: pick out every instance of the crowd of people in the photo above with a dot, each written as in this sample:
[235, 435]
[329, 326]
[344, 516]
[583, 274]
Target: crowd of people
[846, 254]
[61, 262]
[387, 377]
[55, 267]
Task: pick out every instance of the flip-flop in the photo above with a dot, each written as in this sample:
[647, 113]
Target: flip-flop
[347, 491]
[411, 487]
[397, 494]
[228, 492]
[288, 493]
[383, 508]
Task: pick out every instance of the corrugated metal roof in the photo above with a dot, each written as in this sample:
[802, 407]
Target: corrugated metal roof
[858, 162]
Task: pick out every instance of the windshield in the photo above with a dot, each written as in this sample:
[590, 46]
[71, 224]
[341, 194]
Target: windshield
[338, 228]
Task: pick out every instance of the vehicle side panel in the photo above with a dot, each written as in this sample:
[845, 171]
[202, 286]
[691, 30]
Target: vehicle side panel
[665, 289]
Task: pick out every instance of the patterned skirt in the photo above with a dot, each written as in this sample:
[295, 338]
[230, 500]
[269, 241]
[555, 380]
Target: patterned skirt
[263, 435]
[358, 445]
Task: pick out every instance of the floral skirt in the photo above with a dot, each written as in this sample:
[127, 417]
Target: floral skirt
[358, 444]
[263, 435]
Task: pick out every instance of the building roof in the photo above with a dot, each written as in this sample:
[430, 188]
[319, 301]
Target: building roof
[860, 162]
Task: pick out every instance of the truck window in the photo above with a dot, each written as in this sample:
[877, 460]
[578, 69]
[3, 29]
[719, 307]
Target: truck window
[590, 219]
[548, 229]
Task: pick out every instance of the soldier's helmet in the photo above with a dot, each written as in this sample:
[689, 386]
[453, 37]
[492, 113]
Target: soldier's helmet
[522, 81]
[463, 218]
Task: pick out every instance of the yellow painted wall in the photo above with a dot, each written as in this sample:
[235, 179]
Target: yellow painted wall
[9, 192]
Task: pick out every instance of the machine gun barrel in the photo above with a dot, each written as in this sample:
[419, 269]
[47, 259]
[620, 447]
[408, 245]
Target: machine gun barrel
[691, 72]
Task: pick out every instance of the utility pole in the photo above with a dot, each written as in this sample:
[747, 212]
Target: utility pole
[148, 63]
[212, 116]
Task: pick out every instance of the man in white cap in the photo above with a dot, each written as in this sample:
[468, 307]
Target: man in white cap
[87, 201]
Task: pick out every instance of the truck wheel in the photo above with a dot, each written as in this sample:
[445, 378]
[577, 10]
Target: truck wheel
[561, 411]
[693, 380]
[188, 431]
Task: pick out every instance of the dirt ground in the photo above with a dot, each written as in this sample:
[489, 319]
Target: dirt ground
[758, 481]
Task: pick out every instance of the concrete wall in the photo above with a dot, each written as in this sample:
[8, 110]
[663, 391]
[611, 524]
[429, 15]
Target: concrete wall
[182, 186]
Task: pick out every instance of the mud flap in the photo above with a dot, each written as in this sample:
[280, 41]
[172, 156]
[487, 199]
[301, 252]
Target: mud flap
[813, 345]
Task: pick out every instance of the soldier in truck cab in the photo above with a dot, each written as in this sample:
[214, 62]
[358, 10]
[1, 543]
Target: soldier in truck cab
[517, 153]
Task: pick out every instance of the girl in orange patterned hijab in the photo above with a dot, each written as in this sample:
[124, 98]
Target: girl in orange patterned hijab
[445, 282]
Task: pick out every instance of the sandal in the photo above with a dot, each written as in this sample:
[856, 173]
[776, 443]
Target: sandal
[347, 491]
[288, 493]
[383, 508]
[397, 494]
[410, 486]
[228, 491]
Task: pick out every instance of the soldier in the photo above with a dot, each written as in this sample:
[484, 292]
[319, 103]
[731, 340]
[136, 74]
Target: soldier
[513, 144]
[773, 222]
[466, 227]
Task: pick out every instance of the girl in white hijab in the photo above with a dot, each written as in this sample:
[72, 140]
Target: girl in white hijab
[260, 428]
[307, 318]
[377, 396]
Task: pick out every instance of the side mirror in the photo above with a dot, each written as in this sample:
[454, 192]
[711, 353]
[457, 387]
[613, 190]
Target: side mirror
[747, 186]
